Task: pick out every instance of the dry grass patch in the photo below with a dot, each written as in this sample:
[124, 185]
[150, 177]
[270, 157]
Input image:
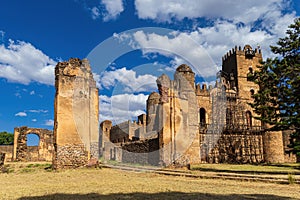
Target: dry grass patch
[115, 184]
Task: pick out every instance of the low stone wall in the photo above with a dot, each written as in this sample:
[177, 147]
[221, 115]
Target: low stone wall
[70, 156]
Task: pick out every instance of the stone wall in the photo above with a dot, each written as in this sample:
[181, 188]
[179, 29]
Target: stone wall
[143, 152]
[76, 114]
[8, 150]
[70, 156]
[42, 152]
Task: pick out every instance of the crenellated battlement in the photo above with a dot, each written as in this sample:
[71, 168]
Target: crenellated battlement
[247, 51]
[203, 89]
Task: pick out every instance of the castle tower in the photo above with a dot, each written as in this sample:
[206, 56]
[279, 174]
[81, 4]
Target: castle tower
[104, 136]
[76, 112]
[179, 132]
[237, 64]
[186, 76]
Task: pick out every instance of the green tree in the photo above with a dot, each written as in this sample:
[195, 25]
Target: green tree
[6, 138]
[278, 99]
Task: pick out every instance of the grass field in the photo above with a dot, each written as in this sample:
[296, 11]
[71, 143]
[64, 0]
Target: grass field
[32, 181]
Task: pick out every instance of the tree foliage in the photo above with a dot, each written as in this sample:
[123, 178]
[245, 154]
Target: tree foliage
[278, 99]
[6, 138]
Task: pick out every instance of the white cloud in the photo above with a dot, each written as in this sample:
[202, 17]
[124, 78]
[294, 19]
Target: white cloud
[129, 79]
[204, 47]
[32, 92]
[232, 23]
[38, 111]
[245, 11]
[113, 9]
[95, 12]
[21, 62]
[34, 120]
[49, 122]
[180, 46]
[123, 107]
[21, 114]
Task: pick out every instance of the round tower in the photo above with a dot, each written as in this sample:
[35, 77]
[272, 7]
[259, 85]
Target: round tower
[186, 75]
[152, 109]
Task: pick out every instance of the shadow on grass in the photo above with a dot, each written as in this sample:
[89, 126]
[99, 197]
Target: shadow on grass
[162, 195]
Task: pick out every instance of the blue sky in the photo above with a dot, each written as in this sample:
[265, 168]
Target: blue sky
[126, 55]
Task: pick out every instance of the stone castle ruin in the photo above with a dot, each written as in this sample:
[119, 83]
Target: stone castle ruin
[190, 123]
[185, 123]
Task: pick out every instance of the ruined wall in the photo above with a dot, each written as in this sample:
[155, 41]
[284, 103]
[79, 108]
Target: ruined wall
[143, 152]
[42, 152]
[178, 118]
[76, 112]
[8, 150]
[121, 132]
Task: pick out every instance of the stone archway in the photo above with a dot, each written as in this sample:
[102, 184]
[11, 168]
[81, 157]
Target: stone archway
[42, 152]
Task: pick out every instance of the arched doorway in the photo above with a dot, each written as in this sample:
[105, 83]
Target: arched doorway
[32, 142]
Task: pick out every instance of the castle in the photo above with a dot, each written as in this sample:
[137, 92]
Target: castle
[185, 123]
[189, 123]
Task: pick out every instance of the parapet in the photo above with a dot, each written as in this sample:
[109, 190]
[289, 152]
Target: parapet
[203, 90]
[247, 51]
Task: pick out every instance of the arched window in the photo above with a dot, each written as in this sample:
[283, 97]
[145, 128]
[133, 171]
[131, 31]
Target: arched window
[32, 139]
[252, 92]
[249, 119]
[202, 117]
[250, 70]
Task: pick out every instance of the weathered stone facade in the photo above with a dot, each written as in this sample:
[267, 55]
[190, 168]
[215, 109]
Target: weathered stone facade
[76, 113]
[23, 152]
[194, 123]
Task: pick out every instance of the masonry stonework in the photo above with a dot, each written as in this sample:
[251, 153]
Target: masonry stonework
[76, 112]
